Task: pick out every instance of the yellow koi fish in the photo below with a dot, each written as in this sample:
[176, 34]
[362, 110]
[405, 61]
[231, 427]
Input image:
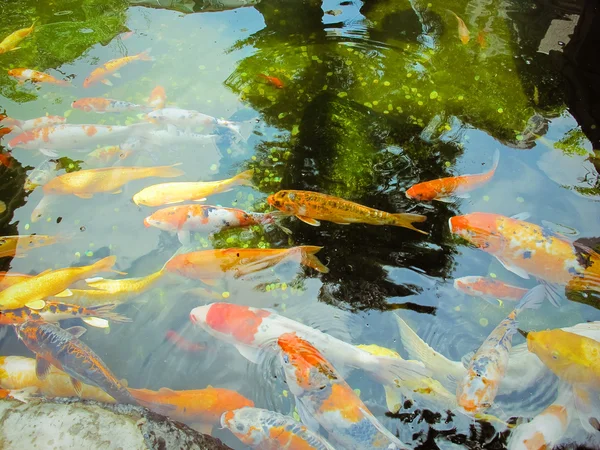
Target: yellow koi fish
[10, 42]
[102, 73]
[463, 31]
[15, 245]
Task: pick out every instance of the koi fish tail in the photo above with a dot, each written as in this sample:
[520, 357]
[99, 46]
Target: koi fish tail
[104, 265]
[392, 371]
[310, 260]
[145, 55]
[534, 298]
[406, 220]
[168, 171]
[495, 162]
[106, 312]
[244, 178]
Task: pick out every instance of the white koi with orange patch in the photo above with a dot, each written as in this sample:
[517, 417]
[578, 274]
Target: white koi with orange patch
[189, 119]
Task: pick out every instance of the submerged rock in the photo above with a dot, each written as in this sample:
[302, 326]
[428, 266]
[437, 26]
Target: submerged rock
[75, 424]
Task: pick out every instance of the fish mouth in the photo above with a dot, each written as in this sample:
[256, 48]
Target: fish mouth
[147, 222]
[198, 315]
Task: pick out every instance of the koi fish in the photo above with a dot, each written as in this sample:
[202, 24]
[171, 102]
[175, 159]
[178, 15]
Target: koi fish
[489, 289]
[310, 206]
[463, 31]
[96, 316]
[73, 137]
[62, 349]
[10, 42]
[22, 74]
[4, 130]
[5, 160]
[19, 372]
[31, 124]
[204, 218]
[8, 279]
[193, 407]
[528, 249]
[105, 155]
[443, 188]
[105, 105]
[267, 430]
[273, 81]
[190, 119]
[158, 98]
[252, 330]
[183, 343]
[324, 399]
[174, 136]
[101, 73]
[477, 390]
[169, 193]
[481, 39]
[16, 245]
[30, 292]
[210, 265]
[86, 183]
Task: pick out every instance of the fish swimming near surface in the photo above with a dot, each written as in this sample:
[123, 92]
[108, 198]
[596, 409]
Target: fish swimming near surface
[169, 193]
[323, 398]
[253, 330]
[489, 289]
[486, 370]
[19, 372]
[62, 349]
[105, 155]
[31, 124]
[102, 73]
[86, 183]
[17, 246]
[188, 119]
[158, 98]
[197, 408]
[463, 31]
[443, 189]
[310, 207]
[106, 105]
[30, 292]
[10, 42]
[22, 74]
[268, 430]
[210, 265]
[273, 81]
[7, 279]
[182, 343]
[172, 136]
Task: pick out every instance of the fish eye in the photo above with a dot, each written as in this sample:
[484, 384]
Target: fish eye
[555, 356]
[286, 359]
[240, 426]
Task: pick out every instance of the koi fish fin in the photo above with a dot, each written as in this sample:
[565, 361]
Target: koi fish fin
[342, 223]
[244, 178]
[398, 443]
[495, 161]
[76, 331]
[306, 417]
[196, 200]
[13, 49]
[514, 269]
[393, 398]
[25, 394]
[561, 230]
[310, 260]
[209, 281]
[444, 199]
[463, 196]
[184, 237]
[65, 293]
[77, 386]
[96, 322]
[466, 359]
[48, 152]
[37, 304]
[587, 405]
[392, 370]
[521, 216]
[107, 82]
[116, 75]
[532, 299]
[552, 290]
[166, 390]
[85, 196]
[250, 353]
[145, 55]
[42, 367]
[118, 191]
[446, 370]
[406, 220]
[308, 220]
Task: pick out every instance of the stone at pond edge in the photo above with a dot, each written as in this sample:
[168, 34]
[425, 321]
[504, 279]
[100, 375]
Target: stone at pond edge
[73, 424]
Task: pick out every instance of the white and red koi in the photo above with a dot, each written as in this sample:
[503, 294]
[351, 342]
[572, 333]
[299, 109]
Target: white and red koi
[31, 124]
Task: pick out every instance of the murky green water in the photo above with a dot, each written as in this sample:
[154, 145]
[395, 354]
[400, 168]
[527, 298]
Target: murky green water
[376, 97]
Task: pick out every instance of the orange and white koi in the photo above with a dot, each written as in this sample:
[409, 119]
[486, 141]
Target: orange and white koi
[86, 183]
[273, 81]
[62, 349]
[30, 292]
[210, 265]
[169, 193]
[17, 245]
[158, 98]
[96, 316]
[310, 207]
[19, 372]
[193, 407]
[528, 249]
[182, 343]
[31, 124]
[323, 398]
[10, 42]
[101, 73]
[267, 430]
[105, 155]
[189, 119]
[204, 218]
[477, 390]
[106, 105]
[463, 31]
[252, 330]
[443, 188]
[22, 74]
[489, 289]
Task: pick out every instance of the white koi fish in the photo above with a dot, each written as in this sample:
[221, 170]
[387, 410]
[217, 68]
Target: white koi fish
[188, 119]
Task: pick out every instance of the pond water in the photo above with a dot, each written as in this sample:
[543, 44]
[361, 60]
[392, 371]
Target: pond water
[365, 99]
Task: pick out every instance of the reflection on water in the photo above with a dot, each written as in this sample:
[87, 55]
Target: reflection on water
[359, 100]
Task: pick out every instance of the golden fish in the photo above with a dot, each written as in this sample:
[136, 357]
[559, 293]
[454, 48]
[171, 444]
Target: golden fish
[9, 245]
[10, 42]
[463, 31]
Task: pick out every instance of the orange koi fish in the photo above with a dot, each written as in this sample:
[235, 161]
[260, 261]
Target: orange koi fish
[169, 193]
[101, 73]
[10, 42]
[489, 289]
[310, 206]
[481, 40]
[267, 430]
[194, 407]
[96, 316]
[5, 158]
[23, 74]
[183, 343]
[8, 279]
[86, 183]
[528, 249]
[5, 130]
[443, 188]
[324, 399]
[62, 349]
[105, 105]
[158, 98]
[463, 31]
[105, 155]
[16, 245]
[31, 291]
[209, 265]
[273, 81]
[19, 372]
